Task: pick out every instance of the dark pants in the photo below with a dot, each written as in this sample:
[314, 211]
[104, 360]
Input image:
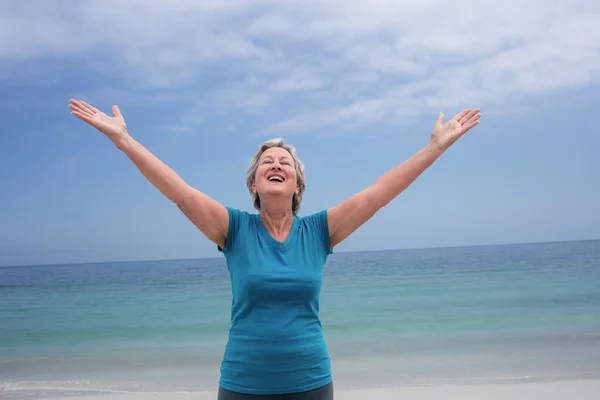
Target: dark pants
[322, 393]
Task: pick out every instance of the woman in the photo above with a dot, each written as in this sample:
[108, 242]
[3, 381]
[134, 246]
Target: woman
[275, 258]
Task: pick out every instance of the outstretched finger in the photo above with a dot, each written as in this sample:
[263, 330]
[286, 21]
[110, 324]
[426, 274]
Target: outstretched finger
[76, 103]
[84, 117]
[82, 110]
[472, 119]
[90, 107]
[469, 116]
[84, 106]
[458, 117]
[470, 125]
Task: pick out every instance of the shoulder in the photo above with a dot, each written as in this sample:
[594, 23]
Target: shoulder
[316, 223]
[236, 213]
[239, 222]
[317, 220]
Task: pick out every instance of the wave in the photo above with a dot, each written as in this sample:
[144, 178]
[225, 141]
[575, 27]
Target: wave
[86, 387]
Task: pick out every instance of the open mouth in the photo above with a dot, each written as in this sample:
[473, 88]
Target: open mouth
[276, 178]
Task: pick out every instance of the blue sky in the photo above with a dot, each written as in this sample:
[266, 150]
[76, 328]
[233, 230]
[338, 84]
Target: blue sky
[356, 87]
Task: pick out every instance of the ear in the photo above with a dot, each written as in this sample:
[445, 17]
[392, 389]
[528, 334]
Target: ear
[297, 189]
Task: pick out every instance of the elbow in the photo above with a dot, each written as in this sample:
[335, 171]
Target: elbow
[382, 203]
[380, 197]
[183, 199]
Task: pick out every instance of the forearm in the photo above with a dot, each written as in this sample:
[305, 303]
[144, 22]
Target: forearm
[167, 181]
[395, 181]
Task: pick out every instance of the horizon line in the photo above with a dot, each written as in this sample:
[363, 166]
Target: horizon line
[336, 252]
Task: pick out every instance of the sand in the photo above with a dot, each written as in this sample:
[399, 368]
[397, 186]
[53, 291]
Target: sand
[580, 390]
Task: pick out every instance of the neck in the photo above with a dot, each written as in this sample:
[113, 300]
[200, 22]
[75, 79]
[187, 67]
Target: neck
[277, 220]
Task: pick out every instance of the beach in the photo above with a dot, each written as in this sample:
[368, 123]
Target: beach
[505, 322]
[580, 390]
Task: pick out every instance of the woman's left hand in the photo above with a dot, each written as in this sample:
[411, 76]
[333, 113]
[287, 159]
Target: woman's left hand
[444, 135]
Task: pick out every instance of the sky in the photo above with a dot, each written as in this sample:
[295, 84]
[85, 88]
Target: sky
[354, 86]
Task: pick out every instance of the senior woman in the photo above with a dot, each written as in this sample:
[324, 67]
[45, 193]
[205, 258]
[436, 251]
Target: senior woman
[275, 258]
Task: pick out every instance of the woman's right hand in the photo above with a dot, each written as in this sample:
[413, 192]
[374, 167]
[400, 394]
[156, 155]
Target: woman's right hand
[113, 127]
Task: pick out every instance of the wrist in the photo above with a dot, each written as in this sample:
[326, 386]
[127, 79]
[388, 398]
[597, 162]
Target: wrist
[435, 148]
[124, 142]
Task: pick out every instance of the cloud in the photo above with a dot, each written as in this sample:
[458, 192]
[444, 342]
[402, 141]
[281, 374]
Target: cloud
[302, 66]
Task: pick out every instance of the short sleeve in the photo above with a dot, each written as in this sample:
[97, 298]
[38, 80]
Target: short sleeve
[232, 230]
[320, 224]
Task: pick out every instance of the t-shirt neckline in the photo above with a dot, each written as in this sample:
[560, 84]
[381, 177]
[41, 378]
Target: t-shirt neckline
[271, 239]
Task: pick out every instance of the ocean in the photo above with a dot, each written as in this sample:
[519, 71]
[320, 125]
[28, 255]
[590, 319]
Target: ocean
[503, 313]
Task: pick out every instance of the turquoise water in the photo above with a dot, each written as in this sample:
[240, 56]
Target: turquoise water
[456, 315]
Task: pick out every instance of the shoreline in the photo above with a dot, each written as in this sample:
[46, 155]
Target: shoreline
[581, 389]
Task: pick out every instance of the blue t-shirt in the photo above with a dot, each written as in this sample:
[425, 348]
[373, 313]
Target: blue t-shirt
[276, 342]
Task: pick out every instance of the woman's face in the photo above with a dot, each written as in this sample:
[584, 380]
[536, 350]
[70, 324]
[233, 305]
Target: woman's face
[276, 174]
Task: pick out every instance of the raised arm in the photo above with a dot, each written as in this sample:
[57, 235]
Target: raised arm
[207, 214]
[348, 216]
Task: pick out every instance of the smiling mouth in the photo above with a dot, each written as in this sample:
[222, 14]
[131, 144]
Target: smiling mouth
[277, 179]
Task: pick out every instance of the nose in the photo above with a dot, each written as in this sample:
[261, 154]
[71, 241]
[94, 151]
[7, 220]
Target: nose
[276, 165]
